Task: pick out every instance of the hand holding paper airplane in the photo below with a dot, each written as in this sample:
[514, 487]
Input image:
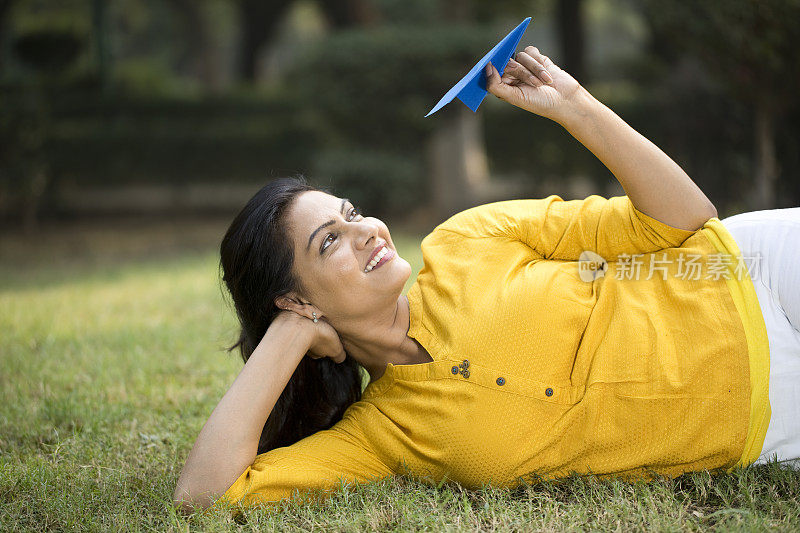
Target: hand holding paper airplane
[532, 82]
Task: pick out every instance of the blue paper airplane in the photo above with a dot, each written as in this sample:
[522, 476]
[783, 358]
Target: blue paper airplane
[472, 88]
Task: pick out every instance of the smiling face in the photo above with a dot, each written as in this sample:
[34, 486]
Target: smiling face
[333, 245]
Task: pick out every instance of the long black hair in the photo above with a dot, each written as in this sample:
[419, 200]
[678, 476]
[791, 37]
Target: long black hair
[256, 257]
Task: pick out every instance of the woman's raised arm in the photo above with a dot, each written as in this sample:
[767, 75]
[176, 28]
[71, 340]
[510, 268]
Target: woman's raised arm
[228, 442]
[655, 184]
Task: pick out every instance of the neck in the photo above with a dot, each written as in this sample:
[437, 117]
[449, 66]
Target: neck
[385, 341]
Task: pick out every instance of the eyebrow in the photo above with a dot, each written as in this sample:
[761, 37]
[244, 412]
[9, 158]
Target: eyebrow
[326, 224]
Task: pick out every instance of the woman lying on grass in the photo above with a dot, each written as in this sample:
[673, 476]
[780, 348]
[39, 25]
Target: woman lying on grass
[626, 336]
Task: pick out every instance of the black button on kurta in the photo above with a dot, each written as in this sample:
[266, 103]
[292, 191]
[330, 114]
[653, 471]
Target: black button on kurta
[501, 381]
[548, 391]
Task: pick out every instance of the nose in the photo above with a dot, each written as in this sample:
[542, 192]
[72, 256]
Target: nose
[370, 234]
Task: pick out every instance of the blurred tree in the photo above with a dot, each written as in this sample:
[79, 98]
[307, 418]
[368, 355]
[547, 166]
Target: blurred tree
[259, 21]
[570, 25]
[457, 164]
[571, 38]
[5, 8]
[164, 46]
[403, 67]
[26, 17]
[200, 42]
[378, 84]
[49, 53]
[100, 31]
[750, 47]
[344, 13]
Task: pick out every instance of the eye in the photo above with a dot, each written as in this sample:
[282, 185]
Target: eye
[351, 214]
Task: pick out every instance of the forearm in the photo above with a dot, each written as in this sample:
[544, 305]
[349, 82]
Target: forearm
[655, 184]
[228, 442]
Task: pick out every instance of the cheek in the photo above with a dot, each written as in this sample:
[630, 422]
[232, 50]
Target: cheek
[344, 285]
[341, 277]
[344, 266]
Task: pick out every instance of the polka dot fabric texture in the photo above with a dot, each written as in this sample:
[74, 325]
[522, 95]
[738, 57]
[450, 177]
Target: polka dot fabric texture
[537, 372]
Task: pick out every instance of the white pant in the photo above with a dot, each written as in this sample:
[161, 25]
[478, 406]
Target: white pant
[772, 238]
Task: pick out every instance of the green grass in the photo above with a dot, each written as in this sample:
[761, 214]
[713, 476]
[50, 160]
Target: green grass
[111, 358]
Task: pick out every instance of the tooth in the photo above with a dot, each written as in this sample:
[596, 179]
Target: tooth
[384, 250]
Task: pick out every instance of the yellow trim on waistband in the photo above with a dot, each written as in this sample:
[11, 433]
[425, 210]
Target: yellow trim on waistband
[744, 297]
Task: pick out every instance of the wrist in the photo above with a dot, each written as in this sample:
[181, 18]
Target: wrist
[292, 326]
[577, 108]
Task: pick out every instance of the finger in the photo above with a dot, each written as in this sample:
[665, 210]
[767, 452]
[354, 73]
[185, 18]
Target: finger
[520, 72]
[534, 66]
[513, 82]
[517, 69]
[538, 55]
[534, 53]
[495, 85]
[509, 78]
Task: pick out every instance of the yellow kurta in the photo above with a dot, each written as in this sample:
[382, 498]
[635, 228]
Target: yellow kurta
[538, 372]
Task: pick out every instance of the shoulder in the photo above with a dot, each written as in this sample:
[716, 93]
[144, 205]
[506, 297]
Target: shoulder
[496, 219]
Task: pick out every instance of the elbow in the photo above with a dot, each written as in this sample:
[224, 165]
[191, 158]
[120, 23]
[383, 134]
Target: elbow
[188, 505]
[707, 214]
[187, 501]
[712, 211]
[196, 490]
[185, 507]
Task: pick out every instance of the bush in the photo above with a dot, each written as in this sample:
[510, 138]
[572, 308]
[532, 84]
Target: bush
[383, 184]
[379, 83]
[94, 139]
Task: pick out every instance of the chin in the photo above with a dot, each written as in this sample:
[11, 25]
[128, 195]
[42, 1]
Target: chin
[403, 268]
[400, 271]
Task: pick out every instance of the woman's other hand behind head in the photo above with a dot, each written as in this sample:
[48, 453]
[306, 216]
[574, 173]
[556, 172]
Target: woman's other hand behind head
[325, 341]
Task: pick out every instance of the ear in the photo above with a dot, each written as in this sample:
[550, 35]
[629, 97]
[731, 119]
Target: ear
[291, 302]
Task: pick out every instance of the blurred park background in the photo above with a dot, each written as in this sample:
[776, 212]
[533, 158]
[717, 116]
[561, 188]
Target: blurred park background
[132, 131]
[185, 107]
